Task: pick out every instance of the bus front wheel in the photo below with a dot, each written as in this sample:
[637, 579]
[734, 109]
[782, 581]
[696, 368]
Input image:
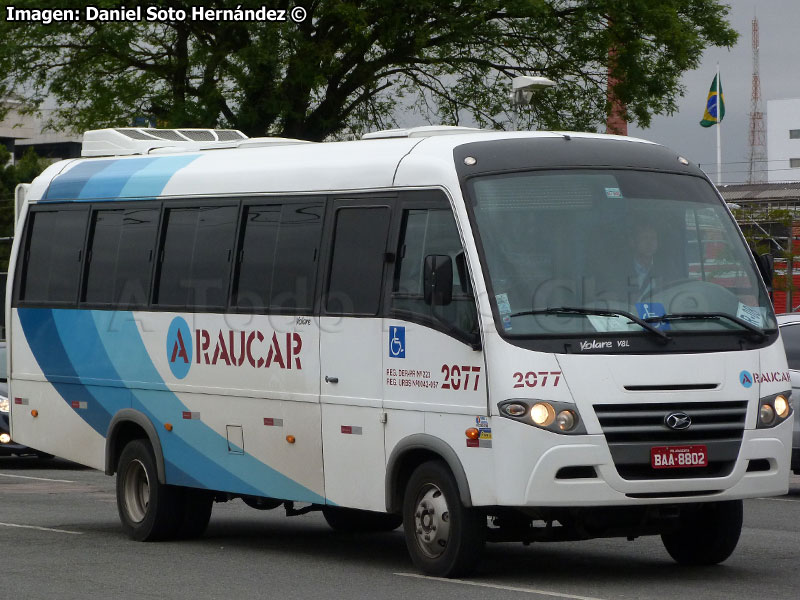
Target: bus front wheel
[196, 507]
[706, 534]
[444, 538]
[149, 510]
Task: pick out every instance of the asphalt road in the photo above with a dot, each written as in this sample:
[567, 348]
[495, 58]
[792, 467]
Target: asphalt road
[60, 538]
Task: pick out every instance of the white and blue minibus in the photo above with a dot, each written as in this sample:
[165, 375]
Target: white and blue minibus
[482, 336]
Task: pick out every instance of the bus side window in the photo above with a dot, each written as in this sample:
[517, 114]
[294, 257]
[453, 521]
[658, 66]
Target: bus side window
[53, 256]
[278, 256]
[197, 248]
[427, 232]
[121, 250]
[359, 253]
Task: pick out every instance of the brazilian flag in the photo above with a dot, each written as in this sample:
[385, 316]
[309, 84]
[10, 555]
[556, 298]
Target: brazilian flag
[715, 105]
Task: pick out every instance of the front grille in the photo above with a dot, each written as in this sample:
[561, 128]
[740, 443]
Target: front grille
[631, 430]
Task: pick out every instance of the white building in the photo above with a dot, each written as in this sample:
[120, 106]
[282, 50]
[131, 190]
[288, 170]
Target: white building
[783, 140]
[20, 131]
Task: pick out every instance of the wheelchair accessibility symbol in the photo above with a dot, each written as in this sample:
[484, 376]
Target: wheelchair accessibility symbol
[652, 310]
[397, 342]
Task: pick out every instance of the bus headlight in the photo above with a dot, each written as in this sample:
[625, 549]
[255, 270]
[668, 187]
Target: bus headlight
[558, 417]
[4, 438]
[781, 406]
[766, 415]
[3, 404]
[566, 420]
[773, 410]
[543, 414]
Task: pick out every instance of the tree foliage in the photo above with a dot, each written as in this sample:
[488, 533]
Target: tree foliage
[24, 171]
[353, 66]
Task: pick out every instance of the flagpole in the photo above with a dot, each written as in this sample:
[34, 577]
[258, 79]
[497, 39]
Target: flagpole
[719, 126]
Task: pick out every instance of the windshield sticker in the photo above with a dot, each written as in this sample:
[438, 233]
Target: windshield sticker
[613, 192]
[504, 308]
[610, 323]
[649, 310]
[751, 314]
[503, 305]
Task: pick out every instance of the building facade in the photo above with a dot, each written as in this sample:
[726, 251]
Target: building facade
[783, 140]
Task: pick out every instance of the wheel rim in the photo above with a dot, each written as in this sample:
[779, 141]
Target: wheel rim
[432, 521]
[136, 491]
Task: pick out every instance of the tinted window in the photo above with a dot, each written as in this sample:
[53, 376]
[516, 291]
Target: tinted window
[196, 256]
[791, 342]
[278, 260]
[425, 232]
[359, 252]
[54, 256]
[120, 258]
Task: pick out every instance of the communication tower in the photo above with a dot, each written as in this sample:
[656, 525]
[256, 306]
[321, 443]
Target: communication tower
[758, 153]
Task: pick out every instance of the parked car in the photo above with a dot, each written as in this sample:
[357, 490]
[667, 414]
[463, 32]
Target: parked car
[790, 332]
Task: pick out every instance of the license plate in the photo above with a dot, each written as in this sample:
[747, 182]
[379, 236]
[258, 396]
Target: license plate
[678, 457]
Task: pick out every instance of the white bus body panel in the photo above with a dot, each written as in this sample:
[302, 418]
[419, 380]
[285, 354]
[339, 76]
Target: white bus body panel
[231, 416]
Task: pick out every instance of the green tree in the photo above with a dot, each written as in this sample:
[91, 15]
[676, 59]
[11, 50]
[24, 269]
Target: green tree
[10, 175]
[352, 66]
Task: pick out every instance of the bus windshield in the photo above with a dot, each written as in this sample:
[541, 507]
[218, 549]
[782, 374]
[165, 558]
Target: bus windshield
[583, 251]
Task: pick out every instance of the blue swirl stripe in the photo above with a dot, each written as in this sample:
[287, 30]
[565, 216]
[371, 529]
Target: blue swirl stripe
[99, 357]
[114, 179]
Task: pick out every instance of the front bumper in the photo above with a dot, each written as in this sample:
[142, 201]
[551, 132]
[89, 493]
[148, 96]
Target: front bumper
[580, 471]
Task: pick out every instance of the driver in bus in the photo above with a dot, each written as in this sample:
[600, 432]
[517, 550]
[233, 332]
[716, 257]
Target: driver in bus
[644, 245]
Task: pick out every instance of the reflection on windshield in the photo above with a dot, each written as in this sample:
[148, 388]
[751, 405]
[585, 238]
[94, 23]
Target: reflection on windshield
[642, 243]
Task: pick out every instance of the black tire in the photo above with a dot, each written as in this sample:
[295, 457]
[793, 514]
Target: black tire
[196, 507]
[149, 510]
[351, 520]
[444, 538]
[707, 534]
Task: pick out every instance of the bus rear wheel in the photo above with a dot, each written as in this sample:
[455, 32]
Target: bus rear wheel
[444, 538]
[149, 510]
[706, 534]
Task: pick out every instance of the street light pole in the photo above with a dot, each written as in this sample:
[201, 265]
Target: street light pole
[522, 88]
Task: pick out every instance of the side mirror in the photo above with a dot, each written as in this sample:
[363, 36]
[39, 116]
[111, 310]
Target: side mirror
[438, 280]
[766, 266]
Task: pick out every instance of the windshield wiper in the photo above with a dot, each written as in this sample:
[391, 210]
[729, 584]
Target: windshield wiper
[696, 316]
[601, 312]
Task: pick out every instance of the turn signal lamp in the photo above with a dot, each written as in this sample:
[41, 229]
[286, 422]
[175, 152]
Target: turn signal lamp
[515, 410]
[472, 433]
[34, 413]
[290, 439]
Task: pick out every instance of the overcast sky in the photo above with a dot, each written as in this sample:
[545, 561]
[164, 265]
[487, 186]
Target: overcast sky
[779, 28]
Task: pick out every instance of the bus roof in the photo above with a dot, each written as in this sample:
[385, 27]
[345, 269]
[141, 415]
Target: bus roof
[314, 168]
